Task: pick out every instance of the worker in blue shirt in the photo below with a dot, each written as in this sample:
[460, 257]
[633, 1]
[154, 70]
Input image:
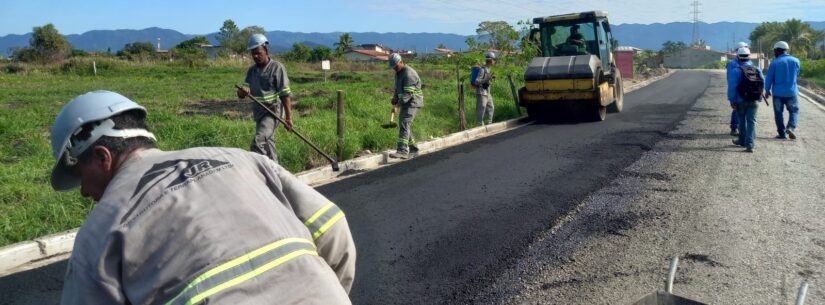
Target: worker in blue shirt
[733, 67]
[739, 99]
[781, 83]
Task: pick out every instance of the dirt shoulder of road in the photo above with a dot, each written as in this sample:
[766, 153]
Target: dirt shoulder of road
[748, 228]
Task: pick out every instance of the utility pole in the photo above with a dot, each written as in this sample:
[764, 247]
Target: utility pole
[695, 11]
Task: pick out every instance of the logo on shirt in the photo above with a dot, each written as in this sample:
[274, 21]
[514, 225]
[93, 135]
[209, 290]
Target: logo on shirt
[173, 175]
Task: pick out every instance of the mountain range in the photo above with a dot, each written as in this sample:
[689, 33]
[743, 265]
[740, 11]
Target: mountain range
[720, 36]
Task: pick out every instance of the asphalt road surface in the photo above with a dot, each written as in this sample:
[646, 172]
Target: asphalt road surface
[443, 228]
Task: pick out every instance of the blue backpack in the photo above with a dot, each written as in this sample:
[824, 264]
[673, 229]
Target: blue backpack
[474, 74]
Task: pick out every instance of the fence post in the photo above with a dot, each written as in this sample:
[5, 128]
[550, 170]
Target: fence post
[515, 93]
[340, 154]
[462, 119]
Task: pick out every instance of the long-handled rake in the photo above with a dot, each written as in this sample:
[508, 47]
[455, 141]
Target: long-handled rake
[277, 117]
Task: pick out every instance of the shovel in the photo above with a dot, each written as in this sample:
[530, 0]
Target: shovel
[392, 123]
[331, 160]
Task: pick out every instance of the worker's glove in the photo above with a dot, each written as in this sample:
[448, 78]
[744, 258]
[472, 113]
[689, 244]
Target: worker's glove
[733, 106]
[767, 95]
[394, 101]
[243, 92]
[485, 86]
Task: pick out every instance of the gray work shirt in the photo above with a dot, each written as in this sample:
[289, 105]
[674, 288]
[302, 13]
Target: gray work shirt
[485, 76]
[269, 85]
[216, 224]
[408, 88]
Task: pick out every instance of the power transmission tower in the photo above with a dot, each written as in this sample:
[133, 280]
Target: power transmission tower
[695, 11]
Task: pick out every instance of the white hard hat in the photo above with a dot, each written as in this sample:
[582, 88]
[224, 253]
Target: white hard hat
[781, 45]
[394, 60]
[743, 52]
[256, 40]
[490, 55]
[91, 107]
[742, 44]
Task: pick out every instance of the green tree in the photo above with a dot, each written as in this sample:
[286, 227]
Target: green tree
[137, 51]
[192, 43]
[48, 45]
[320, 53]
[799, 35]
[499, 34]
[344, 43]
[227, 33]
[670, 47]
[299, 53]
[471, 43]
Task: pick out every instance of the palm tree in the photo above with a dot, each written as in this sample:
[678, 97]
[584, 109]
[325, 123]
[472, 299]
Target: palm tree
[344, 43]
[799, 35]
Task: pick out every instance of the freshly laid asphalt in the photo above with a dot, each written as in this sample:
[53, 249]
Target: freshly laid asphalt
[441, 228]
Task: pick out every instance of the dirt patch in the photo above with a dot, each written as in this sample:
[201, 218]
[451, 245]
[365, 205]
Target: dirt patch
[232, 109]
[13, 105]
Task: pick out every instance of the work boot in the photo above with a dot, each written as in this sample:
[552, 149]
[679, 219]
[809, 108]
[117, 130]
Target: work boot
[733, 132]
[736, 142]
[790, 133]
[750, 149]
[400, 155]
[413, 151]
[780, 137]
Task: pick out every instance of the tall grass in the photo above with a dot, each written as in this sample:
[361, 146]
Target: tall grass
[196, 106]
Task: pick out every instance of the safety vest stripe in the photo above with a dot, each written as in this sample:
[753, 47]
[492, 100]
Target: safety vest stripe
[243, 268]
[284, 92]
[268, 97]
[323, 219]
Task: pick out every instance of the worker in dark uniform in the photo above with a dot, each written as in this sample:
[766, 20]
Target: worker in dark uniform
[408, 94]
[268, 82]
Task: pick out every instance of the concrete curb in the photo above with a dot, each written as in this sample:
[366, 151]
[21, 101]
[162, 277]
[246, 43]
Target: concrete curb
[811, 95]
[48, 249]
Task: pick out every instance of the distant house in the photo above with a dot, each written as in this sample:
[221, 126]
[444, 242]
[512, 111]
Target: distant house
[692, 58]
[372, 47]
[443, 52]
[366, 55]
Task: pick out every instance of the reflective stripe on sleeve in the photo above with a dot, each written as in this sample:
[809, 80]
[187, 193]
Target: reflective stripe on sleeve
[268, 98]
[242, 269]
[323, 219]
[285, 92]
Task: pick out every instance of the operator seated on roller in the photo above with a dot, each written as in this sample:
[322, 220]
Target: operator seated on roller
[574, 45]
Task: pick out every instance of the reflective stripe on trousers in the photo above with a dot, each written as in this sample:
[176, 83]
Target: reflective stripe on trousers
[243, 268]
[323, 219]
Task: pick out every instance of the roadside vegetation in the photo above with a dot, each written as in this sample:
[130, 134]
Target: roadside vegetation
[191, 102]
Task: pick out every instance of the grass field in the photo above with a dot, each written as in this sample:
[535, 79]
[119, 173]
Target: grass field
[197, 106]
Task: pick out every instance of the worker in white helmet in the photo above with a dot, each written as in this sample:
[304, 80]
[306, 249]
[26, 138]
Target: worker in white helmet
[410, 97]
[745, 90]
[201, 225]
[733, 67]
[267, 81]
[484, 100]
[781, 83]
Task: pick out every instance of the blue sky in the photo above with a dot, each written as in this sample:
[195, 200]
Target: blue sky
[445, 16]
